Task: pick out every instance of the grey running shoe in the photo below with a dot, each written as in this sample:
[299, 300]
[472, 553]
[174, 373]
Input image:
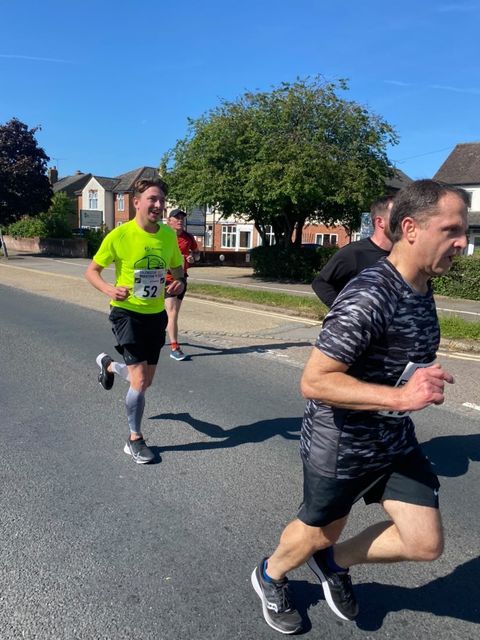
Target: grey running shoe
[277, 603]
[139, 451]
[177, 354]
[337, 587]
[105, 377]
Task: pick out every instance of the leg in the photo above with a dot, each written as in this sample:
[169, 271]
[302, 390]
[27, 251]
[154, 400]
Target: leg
[298, 542]
[172, 306]
[140, 375]
[414, 533]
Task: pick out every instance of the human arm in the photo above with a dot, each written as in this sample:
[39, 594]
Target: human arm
[178, 285]
[94, 276]
[328, 381]
[324, 291]
[334, 276]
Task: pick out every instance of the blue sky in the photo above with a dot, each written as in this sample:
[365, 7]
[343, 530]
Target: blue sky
[113, 83]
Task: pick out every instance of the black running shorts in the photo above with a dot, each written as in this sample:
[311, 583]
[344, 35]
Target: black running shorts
[409, 479]
[140, 336]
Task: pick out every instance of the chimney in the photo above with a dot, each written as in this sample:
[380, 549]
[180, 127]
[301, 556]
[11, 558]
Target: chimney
[52, 175]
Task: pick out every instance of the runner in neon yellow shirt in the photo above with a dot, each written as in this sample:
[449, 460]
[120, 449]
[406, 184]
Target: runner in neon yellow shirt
[142, 251]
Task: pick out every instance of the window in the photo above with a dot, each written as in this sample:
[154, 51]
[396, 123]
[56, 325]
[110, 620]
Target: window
[326, 239]
[270, 235]
[208, 235]
[244, 239]
[121, 202]
[229, 236]
[119, 223]
[356, 236]
[470, 195]
[93, 199]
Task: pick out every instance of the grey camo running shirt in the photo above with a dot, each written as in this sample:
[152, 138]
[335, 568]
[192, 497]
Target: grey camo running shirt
[377, 325]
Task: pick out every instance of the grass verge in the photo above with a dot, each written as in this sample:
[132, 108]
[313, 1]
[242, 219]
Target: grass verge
[452, 327]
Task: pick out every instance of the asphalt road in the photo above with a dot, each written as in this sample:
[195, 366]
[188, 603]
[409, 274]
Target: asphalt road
[96, 547]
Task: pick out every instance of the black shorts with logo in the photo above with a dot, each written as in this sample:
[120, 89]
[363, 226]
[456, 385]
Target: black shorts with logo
[140, 336]
[409, 479]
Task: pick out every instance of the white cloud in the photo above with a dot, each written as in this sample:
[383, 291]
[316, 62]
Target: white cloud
[35, 58]
[441, 87]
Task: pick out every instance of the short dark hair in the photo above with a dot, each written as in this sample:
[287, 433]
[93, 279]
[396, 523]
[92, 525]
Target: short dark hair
[379, 207]
[145, 183]
[419, 200]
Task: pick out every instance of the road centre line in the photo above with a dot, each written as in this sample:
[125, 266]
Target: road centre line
[41, 272]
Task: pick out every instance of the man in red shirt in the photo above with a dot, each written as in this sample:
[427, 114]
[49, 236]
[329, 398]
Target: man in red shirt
[189, 249]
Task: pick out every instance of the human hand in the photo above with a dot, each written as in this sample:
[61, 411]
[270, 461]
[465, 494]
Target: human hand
[119, 293]
[175, 288]
[190, 259]
[425, 387]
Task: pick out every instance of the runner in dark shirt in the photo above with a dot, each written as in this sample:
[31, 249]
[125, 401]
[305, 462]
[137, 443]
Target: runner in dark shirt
[351, 259]
[372, 365]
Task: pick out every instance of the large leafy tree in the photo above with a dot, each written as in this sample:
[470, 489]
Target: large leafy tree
[24, 185]
[297, 153]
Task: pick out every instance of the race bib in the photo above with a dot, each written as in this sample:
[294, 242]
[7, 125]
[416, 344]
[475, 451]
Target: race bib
[148, 283]
[407, 373]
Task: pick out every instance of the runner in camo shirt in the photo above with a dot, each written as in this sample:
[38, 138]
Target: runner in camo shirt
[371, 366]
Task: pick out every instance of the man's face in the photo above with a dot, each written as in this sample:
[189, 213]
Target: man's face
[177, 223]
[443, 236]
[150, 205]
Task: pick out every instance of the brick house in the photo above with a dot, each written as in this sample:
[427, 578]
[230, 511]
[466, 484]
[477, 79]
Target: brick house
[462, 169]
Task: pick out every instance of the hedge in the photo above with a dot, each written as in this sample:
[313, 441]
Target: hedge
[463, 279]
[295, 264]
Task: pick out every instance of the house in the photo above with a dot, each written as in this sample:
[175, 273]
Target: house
[99, 200]
[462, 169]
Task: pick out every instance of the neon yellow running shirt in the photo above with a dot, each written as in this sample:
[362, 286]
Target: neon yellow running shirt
[141, 262]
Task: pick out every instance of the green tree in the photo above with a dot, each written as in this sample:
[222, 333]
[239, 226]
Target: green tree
[24, 185]
[299, 152]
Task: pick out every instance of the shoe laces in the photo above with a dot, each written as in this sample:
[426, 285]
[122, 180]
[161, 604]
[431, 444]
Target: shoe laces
[344, 582]
[282, 597]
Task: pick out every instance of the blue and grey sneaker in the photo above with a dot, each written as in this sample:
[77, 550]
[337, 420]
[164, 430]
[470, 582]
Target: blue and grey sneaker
[177, 354]
[277, 602]
[139, 451]
[337, 586]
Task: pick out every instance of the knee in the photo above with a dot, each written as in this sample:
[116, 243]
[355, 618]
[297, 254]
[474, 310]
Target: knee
[141, 384]
[426, 550]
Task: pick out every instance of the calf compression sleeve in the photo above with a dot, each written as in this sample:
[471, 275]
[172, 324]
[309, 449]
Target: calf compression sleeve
[135, 403]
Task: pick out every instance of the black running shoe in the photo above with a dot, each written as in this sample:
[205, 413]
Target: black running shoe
[277, 603]
[337, 587]
[105, 377]
[139, 451]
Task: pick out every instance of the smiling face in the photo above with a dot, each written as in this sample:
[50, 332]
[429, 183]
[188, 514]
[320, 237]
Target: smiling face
[440, 236]
[149, 206]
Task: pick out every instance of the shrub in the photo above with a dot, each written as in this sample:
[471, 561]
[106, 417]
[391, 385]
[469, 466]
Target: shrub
[296, 264]
[27, 228]
[463, 279]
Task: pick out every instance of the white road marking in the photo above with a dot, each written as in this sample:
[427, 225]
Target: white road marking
[258, 312]
[470, 405]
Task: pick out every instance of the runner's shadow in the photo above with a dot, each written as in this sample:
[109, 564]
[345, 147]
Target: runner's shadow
[306, 596]
[451, 455]
[288, 428]
[455, 596]
[260, 348]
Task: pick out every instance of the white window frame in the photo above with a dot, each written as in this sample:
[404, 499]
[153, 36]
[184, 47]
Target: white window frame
[229, 236]
[93, 199]
[120, 201]
[208, 241]
[270, 235]
[320, 239]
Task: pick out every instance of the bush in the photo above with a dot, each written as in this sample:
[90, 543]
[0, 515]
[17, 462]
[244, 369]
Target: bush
[296, 264]
[51, 224]
[463, 279]
[27, 228]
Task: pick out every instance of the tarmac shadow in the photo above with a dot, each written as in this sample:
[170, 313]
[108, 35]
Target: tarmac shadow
[288, 428]
[451, 455]
[455, 596]
[260, 348]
